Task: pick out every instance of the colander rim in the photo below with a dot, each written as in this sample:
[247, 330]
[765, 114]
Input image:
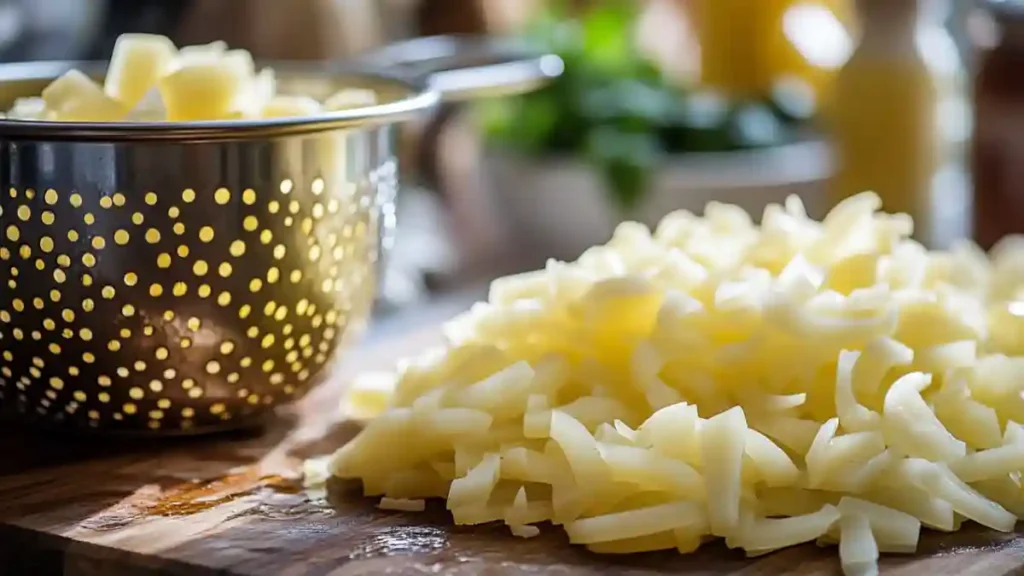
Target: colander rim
[419, 97]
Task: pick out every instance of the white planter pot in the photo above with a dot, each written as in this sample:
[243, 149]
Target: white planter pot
[557, 208]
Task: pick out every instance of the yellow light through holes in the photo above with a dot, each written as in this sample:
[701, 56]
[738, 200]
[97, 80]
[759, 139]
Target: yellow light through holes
[106, 202]
[224, 298]
[206, 234]
[249, 196]
[286, 186]
[224, 269]
[222, 196]
[227, 347]
[182, 251]
[138, 218]
[98, 242]
[152, 235]
[131, 279]
[188, 195]
[266, 237]
[255, 285]
[200, 268]
[155, 290]
[150, 198]
[161, 353]
[24, 212]
[237, 248]
[250, 223]
[173, 212]
[163, 260]
[204, 291]
[50, 196]
[318, 186]
[121, 237]
[179, 289]
[128, 310]
[213, 367]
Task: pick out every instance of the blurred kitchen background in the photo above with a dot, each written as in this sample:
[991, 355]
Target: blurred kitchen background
[665, 105]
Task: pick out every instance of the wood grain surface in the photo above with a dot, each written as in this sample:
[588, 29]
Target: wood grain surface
[229, 505]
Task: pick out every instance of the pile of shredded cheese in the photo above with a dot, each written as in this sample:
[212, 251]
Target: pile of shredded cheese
[770, 385]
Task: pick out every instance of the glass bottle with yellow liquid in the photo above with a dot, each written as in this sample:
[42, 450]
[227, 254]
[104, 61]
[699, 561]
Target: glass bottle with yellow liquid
[887, 104]
[748, 46]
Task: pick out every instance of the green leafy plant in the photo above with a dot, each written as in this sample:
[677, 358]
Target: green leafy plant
[613, 107]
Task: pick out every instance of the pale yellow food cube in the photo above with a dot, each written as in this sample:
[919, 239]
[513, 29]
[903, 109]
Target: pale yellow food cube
[33, 108]
[240, 60]
[137, 64]
[201, 52]
[149, 109]
[205, 91]
[264, 87]
[75, 97]
[350, 98]
[286, 106]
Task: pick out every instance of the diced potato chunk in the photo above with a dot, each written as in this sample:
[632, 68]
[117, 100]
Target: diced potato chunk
[74, 97]
[137, 64]
[205, 91]
[350, 98]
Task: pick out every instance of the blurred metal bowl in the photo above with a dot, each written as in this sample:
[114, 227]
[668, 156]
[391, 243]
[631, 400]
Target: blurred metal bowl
[558, 207]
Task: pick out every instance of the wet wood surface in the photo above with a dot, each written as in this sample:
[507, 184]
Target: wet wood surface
[230, 505]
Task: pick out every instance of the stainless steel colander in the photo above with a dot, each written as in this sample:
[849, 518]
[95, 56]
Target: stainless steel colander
[191, 276]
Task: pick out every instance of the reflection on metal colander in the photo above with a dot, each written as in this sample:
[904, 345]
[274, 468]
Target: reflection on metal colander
[183, 286]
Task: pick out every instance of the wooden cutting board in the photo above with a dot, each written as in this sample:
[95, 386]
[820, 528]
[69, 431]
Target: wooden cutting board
[86, 506]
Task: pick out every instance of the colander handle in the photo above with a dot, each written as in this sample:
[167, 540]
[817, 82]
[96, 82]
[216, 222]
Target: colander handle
[466, 67]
